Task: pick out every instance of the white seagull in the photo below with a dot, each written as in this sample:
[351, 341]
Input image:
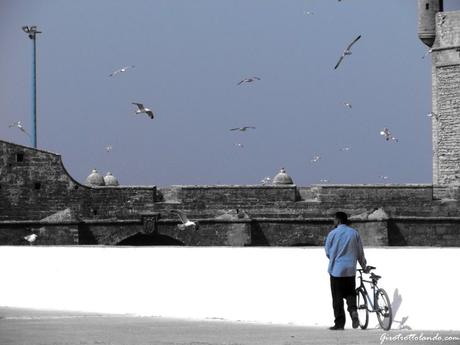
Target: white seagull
[387, 134]
[186, 223]
[142, 110]
[239, 145]
[123, 69]
[315, 158]
[433, 115]
[346, 148]
[19, 125]
[242, 129]
[348, 105]
[347, 51]
[266, 180]
[31, 238]
[309, 13]
[429, 51]
[248, 80]
[108, 148]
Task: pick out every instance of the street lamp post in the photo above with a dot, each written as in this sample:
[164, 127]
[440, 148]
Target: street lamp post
[32, 32]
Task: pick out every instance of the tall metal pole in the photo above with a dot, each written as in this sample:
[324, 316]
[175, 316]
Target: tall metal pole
[34, 93]
[32, 33]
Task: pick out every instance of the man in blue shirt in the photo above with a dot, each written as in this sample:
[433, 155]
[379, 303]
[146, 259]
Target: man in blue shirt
[344, 248]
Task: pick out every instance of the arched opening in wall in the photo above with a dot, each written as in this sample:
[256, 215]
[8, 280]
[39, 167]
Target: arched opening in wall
[150, 240]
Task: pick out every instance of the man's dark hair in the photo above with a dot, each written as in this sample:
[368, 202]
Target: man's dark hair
[341, 217]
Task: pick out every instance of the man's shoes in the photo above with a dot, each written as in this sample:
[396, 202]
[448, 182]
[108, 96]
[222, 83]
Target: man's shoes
[355, 319]
[336, 328]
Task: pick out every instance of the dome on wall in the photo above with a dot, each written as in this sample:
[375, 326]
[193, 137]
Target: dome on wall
[282, 178]
[95, 179]
[110, 180]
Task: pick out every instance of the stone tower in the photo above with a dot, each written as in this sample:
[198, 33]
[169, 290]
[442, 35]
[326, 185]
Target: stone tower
[441, 31]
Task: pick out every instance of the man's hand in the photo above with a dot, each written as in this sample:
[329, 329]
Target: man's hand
[367, 269]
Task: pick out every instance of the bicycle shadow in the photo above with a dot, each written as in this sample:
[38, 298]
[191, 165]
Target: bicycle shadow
[395, 305]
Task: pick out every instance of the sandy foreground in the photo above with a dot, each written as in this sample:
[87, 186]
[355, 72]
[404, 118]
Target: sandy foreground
[27, 327]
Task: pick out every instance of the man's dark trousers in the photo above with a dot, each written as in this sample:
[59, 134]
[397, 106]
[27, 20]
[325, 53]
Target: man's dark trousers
[343, 287]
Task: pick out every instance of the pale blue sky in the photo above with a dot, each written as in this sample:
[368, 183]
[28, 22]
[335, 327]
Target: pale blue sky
[189, 56]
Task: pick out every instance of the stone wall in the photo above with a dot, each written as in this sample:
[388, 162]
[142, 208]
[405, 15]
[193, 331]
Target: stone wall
[446, 99]
[38, 196]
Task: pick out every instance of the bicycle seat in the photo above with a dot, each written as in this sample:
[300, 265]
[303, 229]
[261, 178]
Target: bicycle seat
[375, 276]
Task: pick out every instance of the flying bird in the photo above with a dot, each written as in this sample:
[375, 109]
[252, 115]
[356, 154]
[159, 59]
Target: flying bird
[123, 69]
[347, 51]
[239, 145]
[348, 105]
[346, 148]
[31, 238]
[141, 109]
[309, 13]
[433, 115]
[248, 80]
[429, 51]
[315, 159]
[19, 126]
[324, 180]
[186, 223]
[242, 129]
[266, 180]
[387, 134]
[383, 177]
[108, 148]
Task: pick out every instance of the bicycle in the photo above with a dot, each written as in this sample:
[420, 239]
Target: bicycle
[380, 303]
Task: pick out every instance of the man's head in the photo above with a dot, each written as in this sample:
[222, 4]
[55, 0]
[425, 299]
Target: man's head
[340, 218]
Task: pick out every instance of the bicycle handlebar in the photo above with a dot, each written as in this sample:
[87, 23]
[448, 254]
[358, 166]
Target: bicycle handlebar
[367, 269]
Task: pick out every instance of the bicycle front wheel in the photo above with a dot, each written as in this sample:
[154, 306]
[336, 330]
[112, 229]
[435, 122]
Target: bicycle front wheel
[363, 312]
[384, 312]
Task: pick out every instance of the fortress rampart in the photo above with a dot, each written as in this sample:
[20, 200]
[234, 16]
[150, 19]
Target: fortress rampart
[38, 195]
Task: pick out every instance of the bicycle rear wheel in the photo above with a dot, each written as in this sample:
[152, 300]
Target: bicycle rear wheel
[363, 311]
[384, 312]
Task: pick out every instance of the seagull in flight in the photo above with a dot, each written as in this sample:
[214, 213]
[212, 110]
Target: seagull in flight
[248, 80]
[383, 177]
[141, 109]
[309, 13]
[242, 129]
[429, 51]
[239, 145]
[31, 238]
[348, 105]
[123, 69]
[186, 223]
[387, 134]
[266, 180]
[315, 158]
[19, 125]
[433, 115]
[324, 180]
[346, 148]
[347, 51]
[108, 148]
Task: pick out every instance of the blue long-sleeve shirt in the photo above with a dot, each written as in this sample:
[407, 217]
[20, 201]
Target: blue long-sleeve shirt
[344, 248]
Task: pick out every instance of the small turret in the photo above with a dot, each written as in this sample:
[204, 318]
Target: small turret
[426, 12]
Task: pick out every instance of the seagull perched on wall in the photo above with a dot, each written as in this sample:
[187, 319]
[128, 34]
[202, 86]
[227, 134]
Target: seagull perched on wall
[31, 238]
[186, 223]
[242, 129]
[19, 125]
[143, 110]
[248, 80]
[123, 69]
[387, 134]
[347, 51]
